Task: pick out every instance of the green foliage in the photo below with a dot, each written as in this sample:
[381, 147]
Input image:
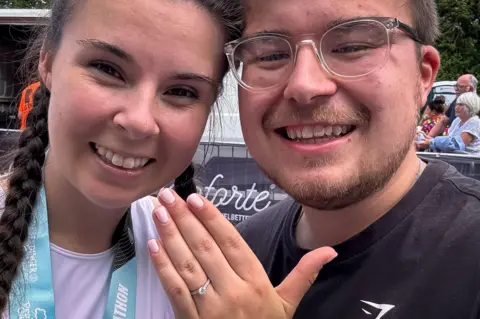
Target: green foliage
[27, 4]
[459, 44]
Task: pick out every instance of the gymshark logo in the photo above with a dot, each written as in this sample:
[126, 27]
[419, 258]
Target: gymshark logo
[384, 308]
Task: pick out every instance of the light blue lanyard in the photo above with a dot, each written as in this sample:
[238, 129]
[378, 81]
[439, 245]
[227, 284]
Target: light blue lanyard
[32, 294]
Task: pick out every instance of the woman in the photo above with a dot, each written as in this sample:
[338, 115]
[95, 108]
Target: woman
[126, 89]
[433, 114]
[464, 133]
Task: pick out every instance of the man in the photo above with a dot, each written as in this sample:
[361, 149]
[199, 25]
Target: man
[323, 84]
[465, 83]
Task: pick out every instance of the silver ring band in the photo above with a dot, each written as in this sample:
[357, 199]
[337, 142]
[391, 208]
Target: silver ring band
[202, 290]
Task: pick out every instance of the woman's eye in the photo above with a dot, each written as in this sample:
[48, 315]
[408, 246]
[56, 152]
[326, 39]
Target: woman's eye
[183, 93]
[107, 69]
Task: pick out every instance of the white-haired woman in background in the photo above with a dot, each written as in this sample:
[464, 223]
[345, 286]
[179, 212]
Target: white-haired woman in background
[464, 133]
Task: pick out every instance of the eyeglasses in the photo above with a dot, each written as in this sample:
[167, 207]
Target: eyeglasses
[459, 87]
[351, 49]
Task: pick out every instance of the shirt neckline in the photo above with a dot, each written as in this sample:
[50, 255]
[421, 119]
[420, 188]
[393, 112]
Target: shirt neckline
[379, 229]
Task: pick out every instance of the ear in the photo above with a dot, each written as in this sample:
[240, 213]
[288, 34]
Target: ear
[429, 66]
[45, 68]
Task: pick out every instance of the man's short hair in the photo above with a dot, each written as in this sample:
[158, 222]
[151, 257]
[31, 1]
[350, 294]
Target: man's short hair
[425, 20]
[473, 83]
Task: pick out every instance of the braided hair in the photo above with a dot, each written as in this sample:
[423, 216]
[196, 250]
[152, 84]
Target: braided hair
[23, 186]
[185, 183]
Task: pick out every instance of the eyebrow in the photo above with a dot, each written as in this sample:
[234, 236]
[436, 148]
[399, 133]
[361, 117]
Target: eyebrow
[105, 46]
[329, 25]
[194, 77]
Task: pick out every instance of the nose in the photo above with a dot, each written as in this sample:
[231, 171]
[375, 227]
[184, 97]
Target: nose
[309, 79]
[136, 119]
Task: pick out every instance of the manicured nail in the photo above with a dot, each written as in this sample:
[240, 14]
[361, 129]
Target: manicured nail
[161, 214]
[153, 246]
[195, 201]
[332, 258]
[166, 195]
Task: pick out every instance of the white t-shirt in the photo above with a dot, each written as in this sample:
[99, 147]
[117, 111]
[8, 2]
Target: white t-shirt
[81, 282]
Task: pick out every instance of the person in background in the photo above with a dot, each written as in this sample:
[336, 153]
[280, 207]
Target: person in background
[464, 133]
[433, 113]
[26, 103]
[465, 83]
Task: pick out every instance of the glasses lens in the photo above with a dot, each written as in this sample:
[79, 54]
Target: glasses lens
[263, 62]
[355, 48]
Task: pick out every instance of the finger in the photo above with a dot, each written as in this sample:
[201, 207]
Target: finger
[182, 258]
[301, 278]
[199, 241]
[174, 286]
[237, 252]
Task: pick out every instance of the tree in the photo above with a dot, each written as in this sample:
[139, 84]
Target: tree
[459, 44]
[27, 4]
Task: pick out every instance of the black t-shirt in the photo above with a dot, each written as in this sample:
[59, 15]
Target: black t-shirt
[421, 260]
[450, 113]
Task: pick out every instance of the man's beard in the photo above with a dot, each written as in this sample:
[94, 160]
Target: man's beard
[373, 174]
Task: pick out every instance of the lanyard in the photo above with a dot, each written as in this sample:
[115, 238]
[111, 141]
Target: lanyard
[32, 294]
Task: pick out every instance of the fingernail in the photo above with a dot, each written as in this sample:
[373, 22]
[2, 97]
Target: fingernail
[153, 246]
[195, 201]
[161, 214]
[166, 195]
[332, 258]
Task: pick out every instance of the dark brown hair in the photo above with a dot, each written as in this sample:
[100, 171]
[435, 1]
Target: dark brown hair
[26, 176]
[438, 104]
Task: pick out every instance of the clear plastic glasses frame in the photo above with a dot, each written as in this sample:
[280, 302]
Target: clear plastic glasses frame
[381, 30]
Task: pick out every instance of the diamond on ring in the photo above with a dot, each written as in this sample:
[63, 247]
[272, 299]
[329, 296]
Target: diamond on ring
[202, 290]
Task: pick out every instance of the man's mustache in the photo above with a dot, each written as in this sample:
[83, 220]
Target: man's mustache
[327, 114]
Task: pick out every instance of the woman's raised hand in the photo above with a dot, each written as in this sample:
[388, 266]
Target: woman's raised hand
[208, 270]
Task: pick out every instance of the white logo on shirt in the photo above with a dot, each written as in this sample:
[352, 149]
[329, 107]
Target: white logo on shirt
[384, 308]
[40, 313]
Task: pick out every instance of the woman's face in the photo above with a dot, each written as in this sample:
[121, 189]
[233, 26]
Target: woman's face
[132, 84]
[428, 113]
[461, 110]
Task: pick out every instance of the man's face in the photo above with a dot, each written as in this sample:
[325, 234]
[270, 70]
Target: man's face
[463, 85]
[366, 126]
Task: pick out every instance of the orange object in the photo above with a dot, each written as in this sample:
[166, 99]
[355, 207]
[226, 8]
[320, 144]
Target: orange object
[26, 103]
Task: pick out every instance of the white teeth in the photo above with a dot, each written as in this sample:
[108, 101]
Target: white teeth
[120, 161]
[307, 132]
[117, 160]
[292, 133]
[137, 162]
[337, 130]
[299, 132]
[328, 130]
[319, 131]
[310, 134]
[129, 162]
[109, 155]
[101, 150]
